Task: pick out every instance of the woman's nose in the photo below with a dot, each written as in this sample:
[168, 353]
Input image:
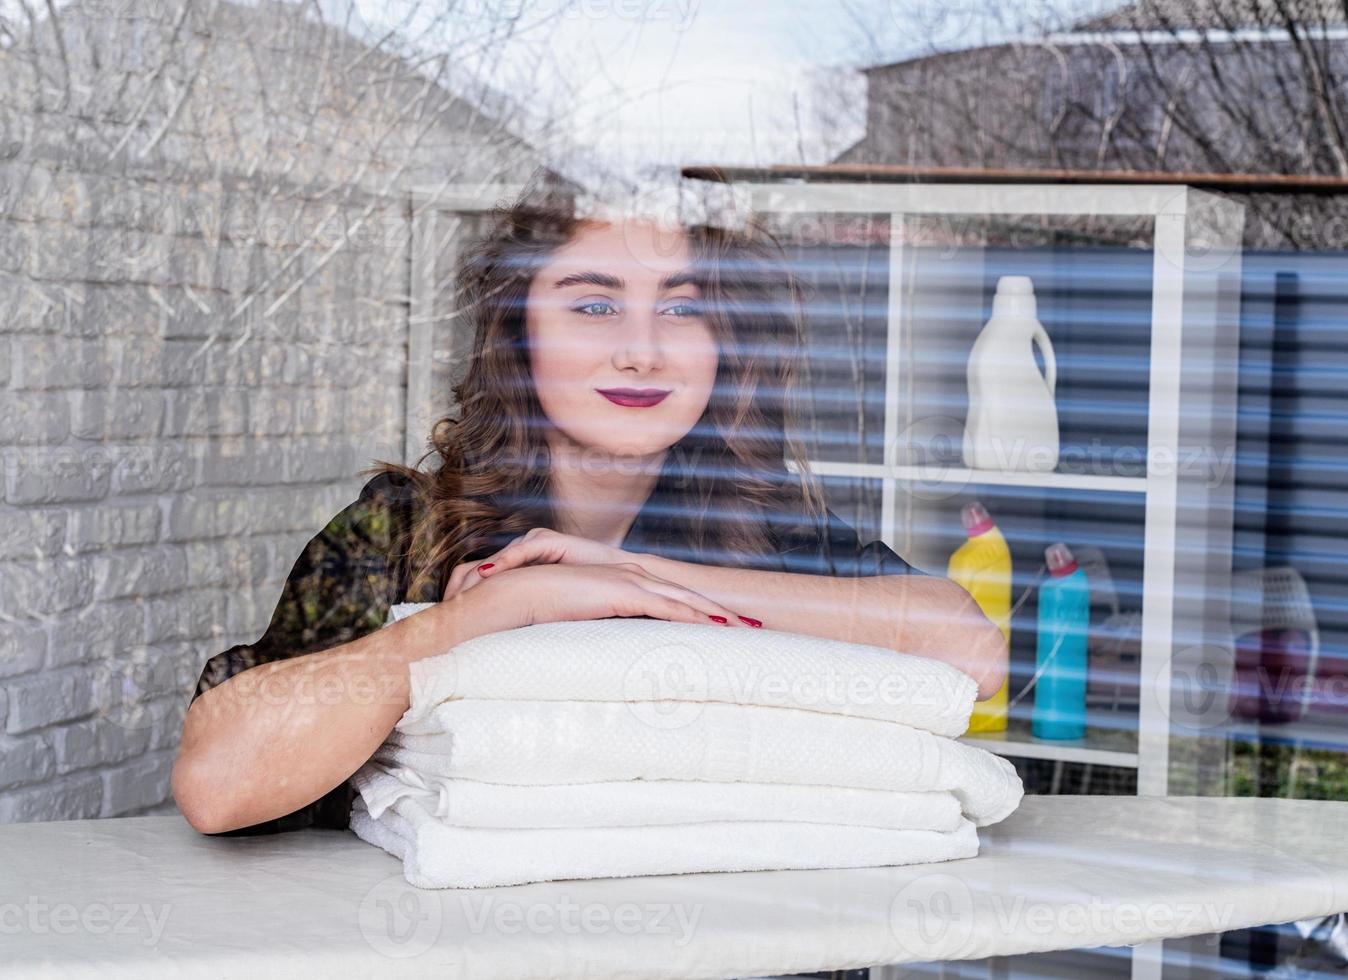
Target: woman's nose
[641, 341]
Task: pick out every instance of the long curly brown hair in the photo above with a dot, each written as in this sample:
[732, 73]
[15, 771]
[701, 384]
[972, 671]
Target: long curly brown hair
[724, 486]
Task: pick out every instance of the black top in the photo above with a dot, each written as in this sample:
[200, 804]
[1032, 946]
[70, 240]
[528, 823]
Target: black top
[343, 583]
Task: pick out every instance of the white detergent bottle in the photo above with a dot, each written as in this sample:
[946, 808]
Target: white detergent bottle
[1013, 421]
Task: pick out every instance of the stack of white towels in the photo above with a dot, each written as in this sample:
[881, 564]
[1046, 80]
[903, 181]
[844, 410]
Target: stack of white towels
[616, 747]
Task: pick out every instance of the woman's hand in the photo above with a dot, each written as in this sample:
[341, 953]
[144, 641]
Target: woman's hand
[552, 593]
[537, 546]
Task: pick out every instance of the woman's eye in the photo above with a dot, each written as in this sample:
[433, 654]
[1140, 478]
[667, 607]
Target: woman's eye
[595, 308]
[684, 309]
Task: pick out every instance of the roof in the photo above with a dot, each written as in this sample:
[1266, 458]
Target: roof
[885, 173]
[935, 56]
[1156, 20]
[1218, 15]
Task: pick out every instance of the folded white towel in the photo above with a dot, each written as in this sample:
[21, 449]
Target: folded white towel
[437, 855]
[645, 803]
[616, 747]
[646, 660]
[550, 742]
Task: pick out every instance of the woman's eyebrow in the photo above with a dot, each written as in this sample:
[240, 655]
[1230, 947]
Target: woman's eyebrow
[608, 281]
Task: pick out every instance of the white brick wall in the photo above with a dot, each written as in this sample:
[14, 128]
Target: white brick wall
[186, 396]
[149, 471]
[147, 482]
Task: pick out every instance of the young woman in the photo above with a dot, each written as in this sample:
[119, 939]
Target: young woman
[618, 451]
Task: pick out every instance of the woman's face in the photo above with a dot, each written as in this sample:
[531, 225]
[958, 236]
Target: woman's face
[615, 310]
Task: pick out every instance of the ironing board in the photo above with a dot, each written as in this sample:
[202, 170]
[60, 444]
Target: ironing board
[149, 897]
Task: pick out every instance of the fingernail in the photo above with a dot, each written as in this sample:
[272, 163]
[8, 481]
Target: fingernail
[485, 565]
[751, 621]
[719, 619]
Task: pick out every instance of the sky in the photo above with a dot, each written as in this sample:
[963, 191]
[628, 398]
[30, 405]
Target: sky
[708, 81]
[662, 83]
[628, 86]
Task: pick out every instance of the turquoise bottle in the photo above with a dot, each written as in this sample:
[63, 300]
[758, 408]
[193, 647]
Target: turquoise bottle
[1064, 611]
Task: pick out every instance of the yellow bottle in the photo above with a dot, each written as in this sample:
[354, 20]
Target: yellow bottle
[982, 565]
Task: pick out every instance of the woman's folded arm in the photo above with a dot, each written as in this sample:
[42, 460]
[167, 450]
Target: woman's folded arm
[278, 736]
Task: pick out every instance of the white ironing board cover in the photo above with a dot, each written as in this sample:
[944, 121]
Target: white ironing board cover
[1059, 873]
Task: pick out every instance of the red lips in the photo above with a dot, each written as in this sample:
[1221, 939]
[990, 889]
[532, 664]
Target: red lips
[634, 397]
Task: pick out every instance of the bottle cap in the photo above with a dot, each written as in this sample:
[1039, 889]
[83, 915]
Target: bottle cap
[1059, 559]
[1015, 297]
[975, 518]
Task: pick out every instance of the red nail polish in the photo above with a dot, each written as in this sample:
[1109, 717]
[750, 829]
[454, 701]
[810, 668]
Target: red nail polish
[484, 565]
[719, 619]
[751, 621]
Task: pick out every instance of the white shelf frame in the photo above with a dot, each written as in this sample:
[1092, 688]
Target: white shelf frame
[431, 208]
[960, 477]
[1055, 752]
[1174, 298]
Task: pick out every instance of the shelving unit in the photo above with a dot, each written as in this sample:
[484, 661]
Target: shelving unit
[1186, 647]
[1186, 643]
